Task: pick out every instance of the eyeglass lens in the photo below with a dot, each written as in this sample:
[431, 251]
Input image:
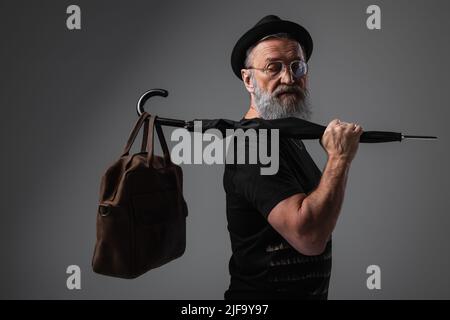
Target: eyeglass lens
[298, 68]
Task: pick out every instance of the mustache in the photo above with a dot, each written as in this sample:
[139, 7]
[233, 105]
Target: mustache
[290, 89]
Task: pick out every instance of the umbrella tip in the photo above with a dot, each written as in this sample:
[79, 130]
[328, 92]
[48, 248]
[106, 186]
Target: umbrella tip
[419, 137]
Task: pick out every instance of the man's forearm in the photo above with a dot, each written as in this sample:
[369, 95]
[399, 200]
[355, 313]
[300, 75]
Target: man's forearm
[320, 210]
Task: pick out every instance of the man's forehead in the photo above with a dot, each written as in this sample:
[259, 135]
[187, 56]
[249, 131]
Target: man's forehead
[273, 49]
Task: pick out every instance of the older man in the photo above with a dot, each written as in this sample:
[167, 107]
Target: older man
[280, 225]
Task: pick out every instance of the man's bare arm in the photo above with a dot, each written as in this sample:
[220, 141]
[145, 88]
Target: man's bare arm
[307, 222]
[320, 210]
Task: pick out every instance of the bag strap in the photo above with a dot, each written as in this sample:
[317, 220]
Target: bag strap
[162, 140]
[167, 158]
[144, 136]
[134, 133]
[150, 142]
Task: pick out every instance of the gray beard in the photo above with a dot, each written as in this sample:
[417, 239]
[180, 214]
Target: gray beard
[271, 106]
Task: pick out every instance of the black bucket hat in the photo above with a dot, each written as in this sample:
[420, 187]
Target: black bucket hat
[268, 25]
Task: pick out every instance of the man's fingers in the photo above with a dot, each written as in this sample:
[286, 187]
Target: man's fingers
[339, 125]
[335, 122]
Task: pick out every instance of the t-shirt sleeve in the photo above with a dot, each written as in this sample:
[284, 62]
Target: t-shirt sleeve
[264, 192]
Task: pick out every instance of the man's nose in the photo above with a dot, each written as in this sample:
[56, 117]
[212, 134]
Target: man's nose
[286, 76]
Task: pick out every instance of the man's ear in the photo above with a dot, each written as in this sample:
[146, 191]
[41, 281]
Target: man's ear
[245, 74]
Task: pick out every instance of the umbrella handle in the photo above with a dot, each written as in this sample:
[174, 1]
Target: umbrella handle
[161, 121]
[147, 95]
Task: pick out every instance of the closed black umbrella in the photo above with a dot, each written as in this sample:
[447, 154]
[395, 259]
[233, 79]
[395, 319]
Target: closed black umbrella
[288, 127]
[295, 128]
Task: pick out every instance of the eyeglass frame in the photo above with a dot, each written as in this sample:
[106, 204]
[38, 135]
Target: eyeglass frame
[266, 71]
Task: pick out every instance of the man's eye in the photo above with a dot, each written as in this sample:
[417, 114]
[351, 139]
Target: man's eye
[274, 67]
[295, 66]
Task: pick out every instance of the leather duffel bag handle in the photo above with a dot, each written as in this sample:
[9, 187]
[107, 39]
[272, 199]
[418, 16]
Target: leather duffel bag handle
[148, 140]
[134, 133]
[162, 141]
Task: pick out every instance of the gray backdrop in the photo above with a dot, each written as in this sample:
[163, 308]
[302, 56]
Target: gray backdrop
[68, 104]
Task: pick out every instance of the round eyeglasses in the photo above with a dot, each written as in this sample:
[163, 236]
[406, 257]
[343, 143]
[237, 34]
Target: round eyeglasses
[274, 69]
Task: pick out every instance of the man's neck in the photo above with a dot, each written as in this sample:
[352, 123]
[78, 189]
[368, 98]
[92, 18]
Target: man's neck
[251, 113]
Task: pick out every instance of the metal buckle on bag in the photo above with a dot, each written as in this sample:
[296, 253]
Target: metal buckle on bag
[104, 210]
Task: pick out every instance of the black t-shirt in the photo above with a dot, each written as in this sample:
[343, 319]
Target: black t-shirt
[263, 264]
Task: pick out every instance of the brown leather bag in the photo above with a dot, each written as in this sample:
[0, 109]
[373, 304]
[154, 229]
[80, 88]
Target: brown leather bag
[141, 219]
